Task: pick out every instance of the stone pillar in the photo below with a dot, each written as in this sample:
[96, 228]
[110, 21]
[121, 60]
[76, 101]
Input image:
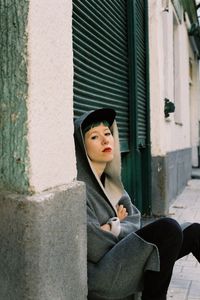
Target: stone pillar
[42, 206]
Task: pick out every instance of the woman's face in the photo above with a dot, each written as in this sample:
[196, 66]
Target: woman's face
[99, 143]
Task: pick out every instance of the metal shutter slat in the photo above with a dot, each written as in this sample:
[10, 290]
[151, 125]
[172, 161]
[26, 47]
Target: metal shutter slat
[107, 39]
[93, 17]
[95, 72]
[103, 56]
[101, 59]
[140, 73]
[100, 83]
[110, 12]
[101, 69]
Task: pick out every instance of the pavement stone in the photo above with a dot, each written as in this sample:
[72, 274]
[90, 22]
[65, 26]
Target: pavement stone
[185, 282]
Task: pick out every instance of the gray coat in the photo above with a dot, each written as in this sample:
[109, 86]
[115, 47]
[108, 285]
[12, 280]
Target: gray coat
[116, 264]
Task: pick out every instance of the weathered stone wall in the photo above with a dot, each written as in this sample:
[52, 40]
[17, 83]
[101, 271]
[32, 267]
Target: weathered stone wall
[43, 245]
[170, 174]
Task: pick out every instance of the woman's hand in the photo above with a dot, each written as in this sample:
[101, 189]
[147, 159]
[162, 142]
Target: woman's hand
[106, 227]
[121, 212]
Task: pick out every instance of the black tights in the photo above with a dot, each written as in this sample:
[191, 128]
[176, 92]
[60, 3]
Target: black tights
[173, 243]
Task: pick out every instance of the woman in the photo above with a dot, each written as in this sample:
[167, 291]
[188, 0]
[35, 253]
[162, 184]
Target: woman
[123, 258]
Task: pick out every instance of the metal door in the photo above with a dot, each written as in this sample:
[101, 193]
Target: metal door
[110, 70]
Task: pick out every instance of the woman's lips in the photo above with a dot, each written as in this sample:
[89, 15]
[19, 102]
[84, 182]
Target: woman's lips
[108, 149]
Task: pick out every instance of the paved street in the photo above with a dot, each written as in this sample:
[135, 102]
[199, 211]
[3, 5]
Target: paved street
[185, 284]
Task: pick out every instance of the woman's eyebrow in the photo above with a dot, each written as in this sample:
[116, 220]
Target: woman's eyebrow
[96, 131]
[90, 133]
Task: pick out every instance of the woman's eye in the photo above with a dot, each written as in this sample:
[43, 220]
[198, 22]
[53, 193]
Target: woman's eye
[94, 137]
[108, 133]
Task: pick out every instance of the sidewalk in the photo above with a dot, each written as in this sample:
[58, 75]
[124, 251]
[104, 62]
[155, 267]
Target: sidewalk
[185, 283]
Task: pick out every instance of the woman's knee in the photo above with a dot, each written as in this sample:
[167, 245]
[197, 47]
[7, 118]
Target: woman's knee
[195, 227]
[191, 240]
[162, 231]
[172, 230]
[192, 232]
[171, 226]
[170, 243]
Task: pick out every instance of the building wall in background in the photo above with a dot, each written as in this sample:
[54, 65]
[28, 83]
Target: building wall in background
[172, 137]
[194, 107]
[172, 133]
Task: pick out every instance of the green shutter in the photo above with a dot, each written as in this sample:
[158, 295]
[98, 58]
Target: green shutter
[138, 163]
[101, 59]
[140, 73]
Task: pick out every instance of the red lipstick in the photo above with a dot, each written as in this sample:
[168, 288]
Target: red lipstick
[107, 149]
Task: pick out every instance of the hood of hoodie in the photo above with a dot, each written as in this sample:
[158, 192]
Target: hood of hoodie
[113, 187]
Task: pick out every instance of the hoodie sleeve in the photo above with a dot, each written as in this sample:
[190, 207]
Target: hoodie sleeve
[99, 242]
[129, 225]
[132, 222]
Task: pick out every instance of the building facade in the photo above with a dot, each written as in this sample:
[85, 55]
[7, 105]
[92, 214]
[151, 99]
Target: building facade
[59, 59]
[174, 72]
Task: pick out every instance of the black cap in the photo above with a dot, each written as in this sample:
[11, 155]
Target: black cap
[98, 115]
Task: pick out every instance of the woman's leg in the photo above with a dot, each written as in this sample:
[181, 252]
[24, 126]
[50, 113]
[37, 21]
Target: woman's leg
[167, 235]
[191, 241]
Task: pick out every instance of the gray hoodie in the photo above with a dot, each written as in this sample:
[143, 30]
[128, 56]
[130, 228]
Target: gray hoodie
[118, 259]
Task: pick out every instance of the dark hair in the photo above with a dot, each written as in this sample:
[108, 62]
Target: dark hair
[94, 124]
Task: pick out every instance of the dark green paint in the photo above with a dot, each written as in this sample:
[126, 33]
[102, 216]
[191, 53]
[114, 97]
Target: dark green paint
[101, 60]
[138, 160]
[13, 95]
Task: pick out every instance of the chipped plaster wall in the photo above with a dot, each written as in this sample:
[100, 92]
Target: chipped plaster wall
[13, 96]
[36, 95]
[50, 106]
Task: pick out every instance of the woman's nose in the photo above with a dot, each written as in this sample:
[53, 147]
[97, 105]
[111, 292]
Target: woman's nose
[104, 140]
